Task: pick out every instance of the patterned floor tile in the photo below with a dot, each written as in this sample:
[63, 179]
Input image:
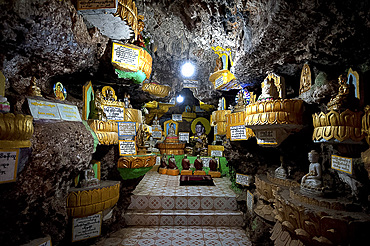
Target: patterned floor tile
[129, 241]
[213, 243]
[180, 242]
[146, 242]
[197, 242]
[163, 242]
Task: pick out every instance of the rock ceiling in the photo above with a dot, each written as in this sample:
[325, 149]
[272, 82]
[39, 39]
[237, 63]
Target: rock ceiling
[49, 39]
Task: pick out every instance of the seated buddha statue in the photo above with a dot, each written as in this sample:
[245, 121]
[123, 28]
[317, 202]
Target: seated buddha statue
[198, 163]
[96, 109]
[342, 97]
[200, 141]
[269, 91]
[33, 89]
[280, 172]
[213, 164]
[171, 131]
[164, 161]
[172, 162]
[313, 179]
[185, 163]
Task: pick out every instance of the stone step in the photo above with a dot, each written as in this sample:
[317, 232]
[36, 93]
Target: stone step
[184, 218]
[183, 202]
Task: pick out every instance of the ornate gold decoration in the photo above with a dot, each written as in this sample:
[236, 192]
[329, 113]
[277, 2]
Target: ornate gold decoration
[357, 83]
[145, 62]
[109, 93]
[282, 111]
[159, 110]
[306, 81]
[171, 148]
[340, 126]
[366, 123]
[218, 118]
[222, 78]
[156, 89]
[237, 119]
[16, 130]
[188, 116]
[127, 10]
[136, 161]
[106, 131]
[205, 106]
[215, 147]
[82, 202]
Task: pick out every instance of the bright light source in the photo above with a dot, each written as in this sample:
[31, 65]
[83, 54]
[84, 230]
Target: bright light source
[180, 99]
[187, 69]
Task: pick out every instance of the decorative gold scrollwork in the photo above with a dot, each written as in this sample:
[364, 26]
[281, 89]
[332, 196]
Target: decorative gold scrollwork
[16, 130]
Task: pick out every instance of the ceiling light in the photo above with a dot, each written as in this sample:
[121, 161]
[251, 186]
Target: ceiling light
[180, 99]
[187, 69]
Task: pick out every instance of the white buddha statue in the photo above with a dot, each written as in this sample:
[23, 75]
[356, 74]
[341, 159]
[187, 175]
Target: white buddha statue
[313, 179]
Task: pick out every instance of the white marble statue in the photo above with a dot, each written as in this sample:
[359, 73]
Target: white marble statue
[313, 179]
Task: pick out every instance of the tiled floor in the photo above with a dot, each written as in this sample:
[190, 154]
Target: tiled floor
[164, 213]
[178, 236]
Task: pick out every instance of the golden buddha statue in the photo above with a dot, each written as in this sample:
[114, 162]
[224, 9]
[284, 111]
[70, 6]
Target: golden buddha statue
[341, 98]
[33, 89]
[97, 111]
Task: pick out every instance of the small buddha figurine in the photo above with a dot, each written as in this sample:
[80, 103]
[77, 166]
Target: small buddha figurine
[156, 121]
[198, 163]
[280, 172]
[213, 165]
[33, 89]
[312, 180]
[269, 91]
[240, 104]
[172, 162]
[110, 96]
[126, 101]
[97, 111]
[172, 131]
[342, 97]
[185, 163]
[200, 140]
[89, 178]
[164, 161]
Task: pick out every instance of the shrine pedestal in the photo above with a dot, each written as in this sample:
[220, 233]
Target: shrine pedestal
[214, 174]
[186, 172]
[197, 172]
[173, 172]
[162, 170]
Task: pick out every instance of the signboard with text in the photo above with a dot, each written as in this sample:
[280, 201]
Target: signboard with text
[217, 153]
[126, 128]
[157, 134]
[238, 133]
[190, 83]
[43, 110]
[266, 137]
[114, 113]
[95, 4]
[126, 56]
[86, 227]
[184, 136]
[8, 165]
[342, 164]
[127, 147]
[177, 117]
[243, 179]
[69, 112]
[250, 201]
